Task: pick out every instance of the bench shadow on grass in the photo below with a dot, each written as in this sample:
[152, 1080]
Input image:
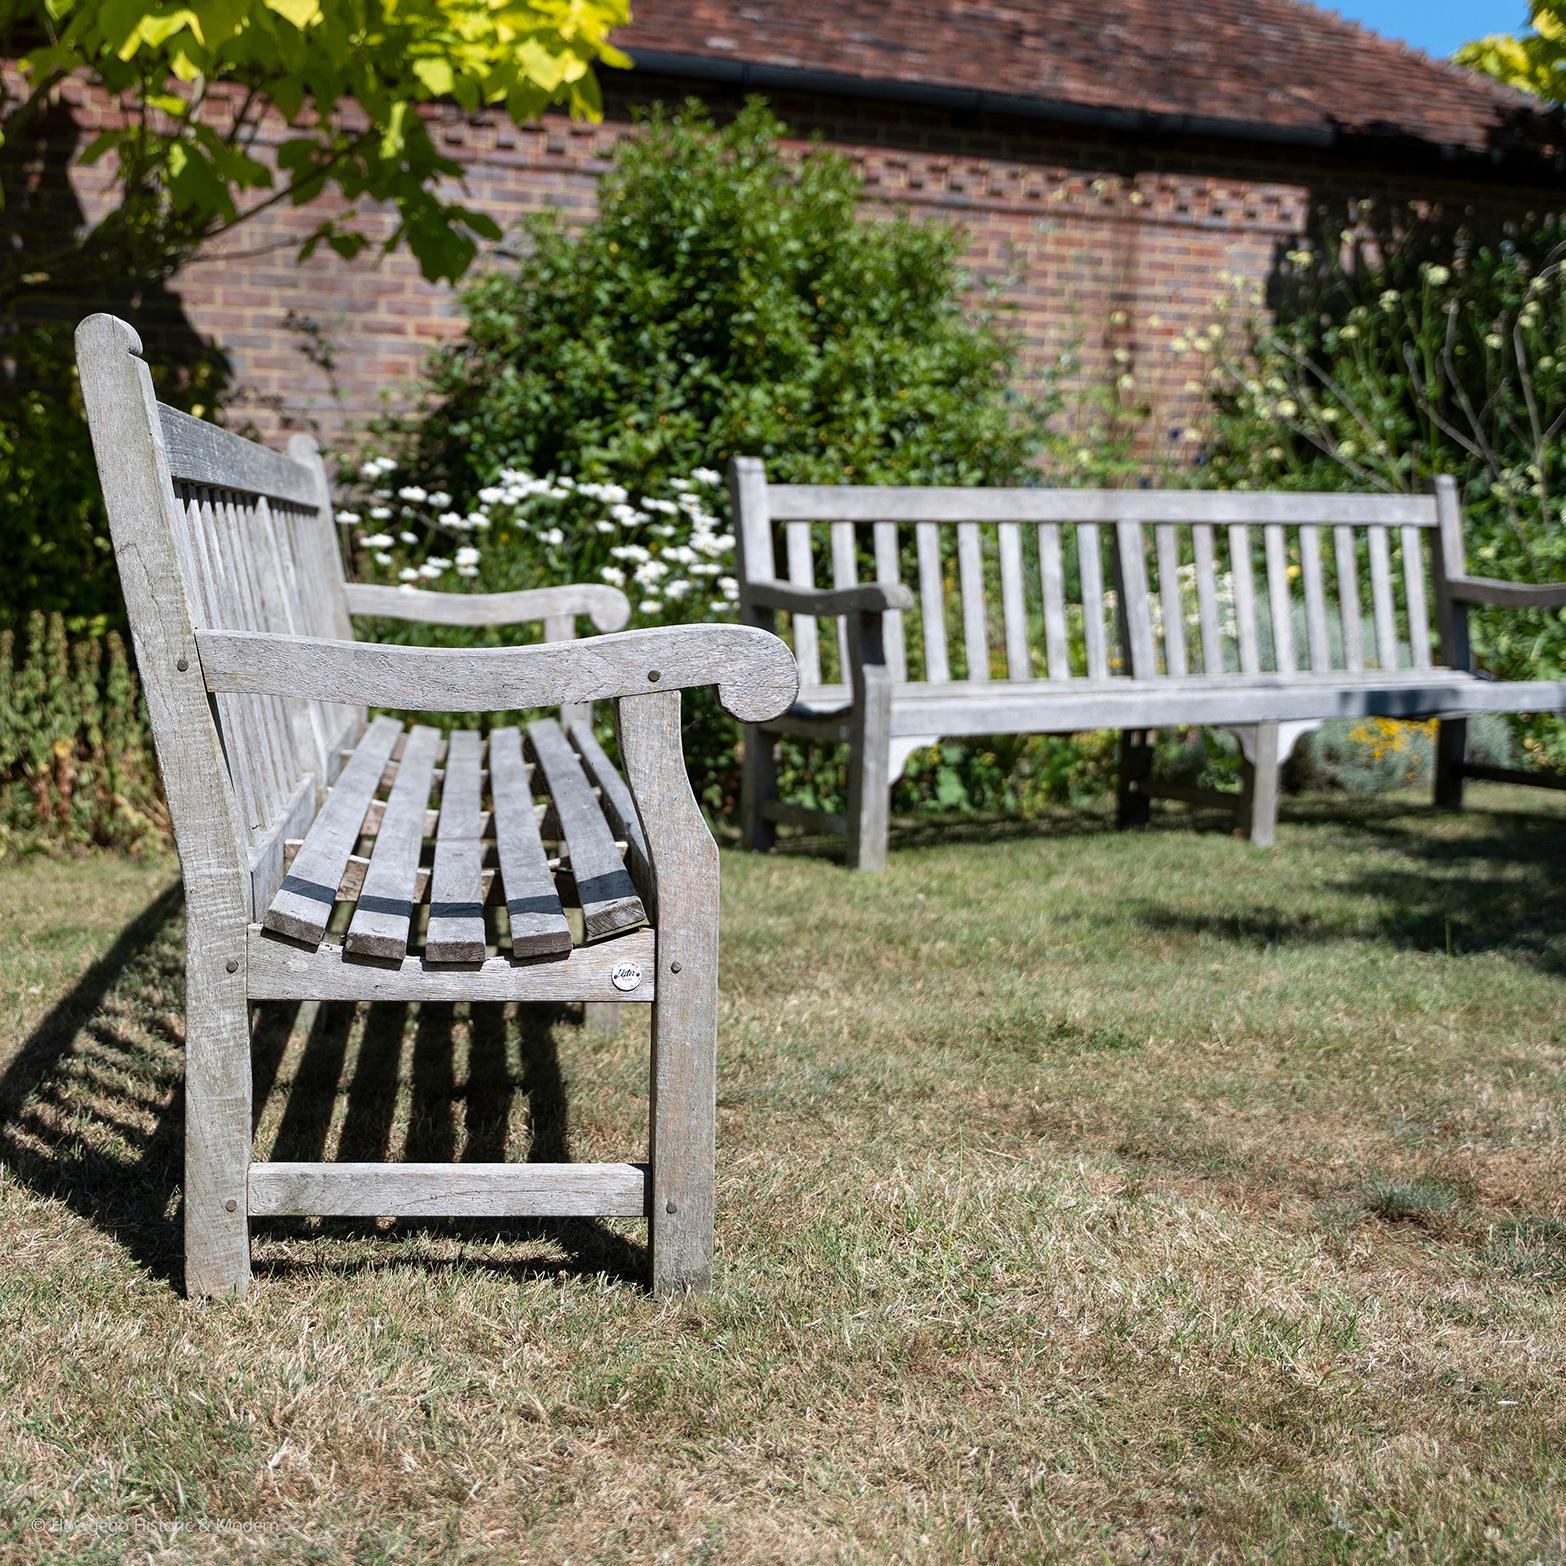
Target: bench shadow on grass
[1498, 886]
[441, 1108]
[1501, 888]
[91, 1110]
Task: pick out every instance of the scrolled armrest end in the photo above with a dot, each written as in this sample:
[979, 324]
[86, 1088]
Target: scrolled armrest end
[760, 678]
[607, 607]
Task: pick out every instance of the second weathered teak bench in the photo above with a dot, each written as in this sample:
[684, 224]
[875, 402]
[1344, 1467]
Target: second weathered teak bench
[1047, 611]
[330, 858]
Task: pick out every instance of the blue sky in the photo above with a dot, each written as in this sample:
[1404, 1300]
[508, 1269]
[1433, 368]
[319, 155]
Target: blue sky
[1436, 26]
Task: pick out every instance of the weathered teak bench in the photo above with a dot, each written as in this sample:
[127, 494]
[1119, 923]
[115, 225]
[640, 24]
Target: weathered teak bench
[1050, 611]
[428, 867]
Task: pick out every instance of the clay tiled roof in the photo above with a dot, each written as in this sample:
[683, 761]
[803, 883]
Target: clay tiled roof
[1275, 66]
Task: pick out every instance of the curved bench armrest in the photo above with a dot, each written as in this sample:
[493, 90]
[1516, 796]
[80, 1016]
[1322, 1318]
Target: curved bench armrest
[753, 670]
[607, 607]
[1514, 595]
[867, 598]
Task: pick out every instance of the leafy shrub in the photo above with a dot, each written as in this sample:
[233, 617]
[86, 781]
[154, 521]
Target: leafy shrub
[728, 299]
[76, 761]
[1375, 755]
[1407, 348]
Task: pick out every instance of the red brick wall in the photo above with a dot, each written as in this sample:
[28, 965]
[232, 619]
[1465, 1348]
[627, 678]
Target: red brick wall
[1105, 245]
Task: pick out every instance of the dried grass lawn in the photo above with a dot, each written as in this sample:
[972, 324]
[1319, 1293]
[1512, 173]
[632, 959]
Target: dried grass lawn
[1083, 1197]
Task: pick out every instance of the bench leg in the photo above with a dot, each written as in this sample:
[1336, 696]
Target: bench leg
[684, 1120]
[1133, 807]
[217, 1128]
[758, 786]
[1259, 796]
[681, 1184]
[1451, 747]
[870, 756]
[602, 1018]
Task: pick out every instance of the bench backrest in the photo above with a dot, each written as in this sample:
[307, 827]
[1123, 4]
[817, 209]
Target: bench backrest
[1083, 584]
[212, 531]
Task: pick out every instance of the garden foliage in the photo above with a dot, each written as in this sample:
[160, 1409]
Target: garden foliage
[729, 298]
[76, 763]
[1406, 349]
[1533, 59]
[205, 115]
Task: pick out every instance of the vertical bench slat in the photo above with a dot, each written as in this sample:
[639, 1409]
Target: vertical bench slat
[192, 548]
[1280, 606]
[538, 922]
[970, 574]
[888, 568]
[252, 532]
[1414, 589]
[383, 919]
[1052, 583]
[845, 573]
[605, 893]
[271, 710]
[308, 588]
[1244, 597]
[227, 559]
[1166, 547]
[1090, 567]
[285, 611]
[932, 602]
[456, 932]
[1348, 597]
[1316, 636]
[1381, 598]
[1014, 608]
[317, 607]
[1207, 598]
[802, 573]
[1136, 621]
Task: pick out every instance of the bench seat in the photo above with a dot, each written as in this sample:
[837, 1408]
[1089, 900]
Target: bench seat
[457, 847]
[440, 860]
[963, 707]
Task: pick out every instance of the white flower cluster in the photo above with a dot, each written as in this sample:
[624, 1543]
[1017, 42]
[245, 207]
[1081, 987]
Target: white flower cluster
[411, 504]
[671, 551]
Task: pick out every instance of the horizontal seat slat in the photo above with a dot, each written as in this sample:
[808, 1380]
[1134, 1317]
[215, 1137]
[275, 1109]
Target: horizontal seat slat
[383, 918]
[303, 904]
[618, 807]
[1135, 704]
[608, 898]
[538, 922]
[456, 929]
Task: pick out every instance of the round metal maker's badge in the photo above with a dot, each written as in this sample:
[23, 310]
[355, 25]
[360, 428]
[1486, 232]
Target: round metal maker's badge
[626, 975]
